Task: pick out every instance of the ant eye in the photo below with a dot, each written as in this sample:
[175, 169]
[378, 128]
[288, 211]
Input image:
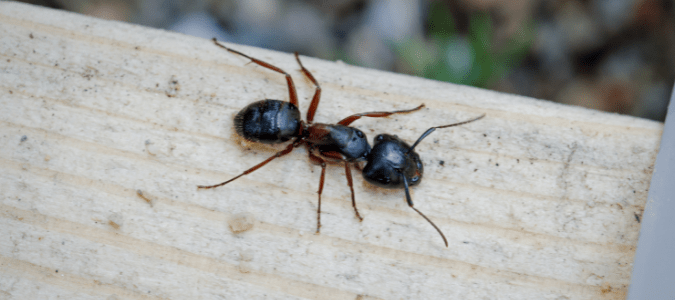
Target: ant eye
[379, 137]
[359, 134]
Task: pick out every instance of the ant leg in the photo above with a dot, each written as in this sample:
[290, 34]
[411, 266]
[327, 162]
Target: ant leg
[348, 172]
[321, 162]
[375, 114]
[410, 203]
[258, 166]
[291, 86]
[358, 166]
[317, 93]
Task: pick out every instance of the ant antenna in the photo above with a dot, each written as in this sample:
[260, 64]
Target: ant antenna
[432, 129]
[410, 203]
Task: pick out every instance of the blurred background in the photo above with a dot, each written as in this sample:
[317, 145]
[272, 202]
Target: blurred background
[611, 55]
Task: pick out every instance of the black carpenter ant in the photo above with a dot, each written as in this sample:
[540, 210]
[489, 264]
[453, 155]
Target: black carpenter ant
[275, 121]
[393, 164]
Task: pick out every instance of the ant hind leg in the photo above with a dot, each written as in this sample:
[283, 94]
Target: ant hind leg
[293, 95]
[256, 167]
[317, 93]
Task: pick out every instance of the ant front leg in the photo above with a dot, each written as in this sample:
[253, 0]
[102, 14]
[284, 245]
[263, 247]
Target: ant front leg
[376, 114]
[293, 95]
[322, 163]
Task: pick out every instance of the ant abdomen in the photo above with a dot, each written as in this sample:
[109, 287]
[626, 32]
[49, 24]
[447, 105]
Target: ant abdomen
[268, 121]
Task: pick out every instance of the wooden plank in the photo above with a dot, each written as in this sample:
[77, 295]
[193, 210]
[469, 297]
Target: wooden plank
[538, 200]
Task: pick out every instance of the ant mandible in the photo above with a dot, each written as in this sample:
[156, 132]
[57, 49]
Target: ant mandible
[393, 164]
[275, 121]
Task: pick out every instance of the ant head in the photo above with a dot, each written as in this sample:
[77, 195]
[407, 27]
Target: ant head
[389, 161]
[380, 138]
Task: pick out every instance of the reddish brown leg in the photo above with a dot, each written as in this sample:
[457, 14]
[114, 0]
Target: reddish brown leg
[337, 156]
[375, 114]
[321, 162]
[348, 172]
[293, 95]
[317, 93]
[258, 166]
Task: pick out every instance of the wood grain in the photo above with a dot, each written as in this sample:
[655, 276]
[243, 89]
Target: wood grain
[538, 200]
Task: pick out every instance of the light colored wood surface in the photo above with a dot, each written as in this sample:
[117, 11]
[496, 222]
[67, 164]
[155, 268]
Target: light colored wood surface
[538, 200]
